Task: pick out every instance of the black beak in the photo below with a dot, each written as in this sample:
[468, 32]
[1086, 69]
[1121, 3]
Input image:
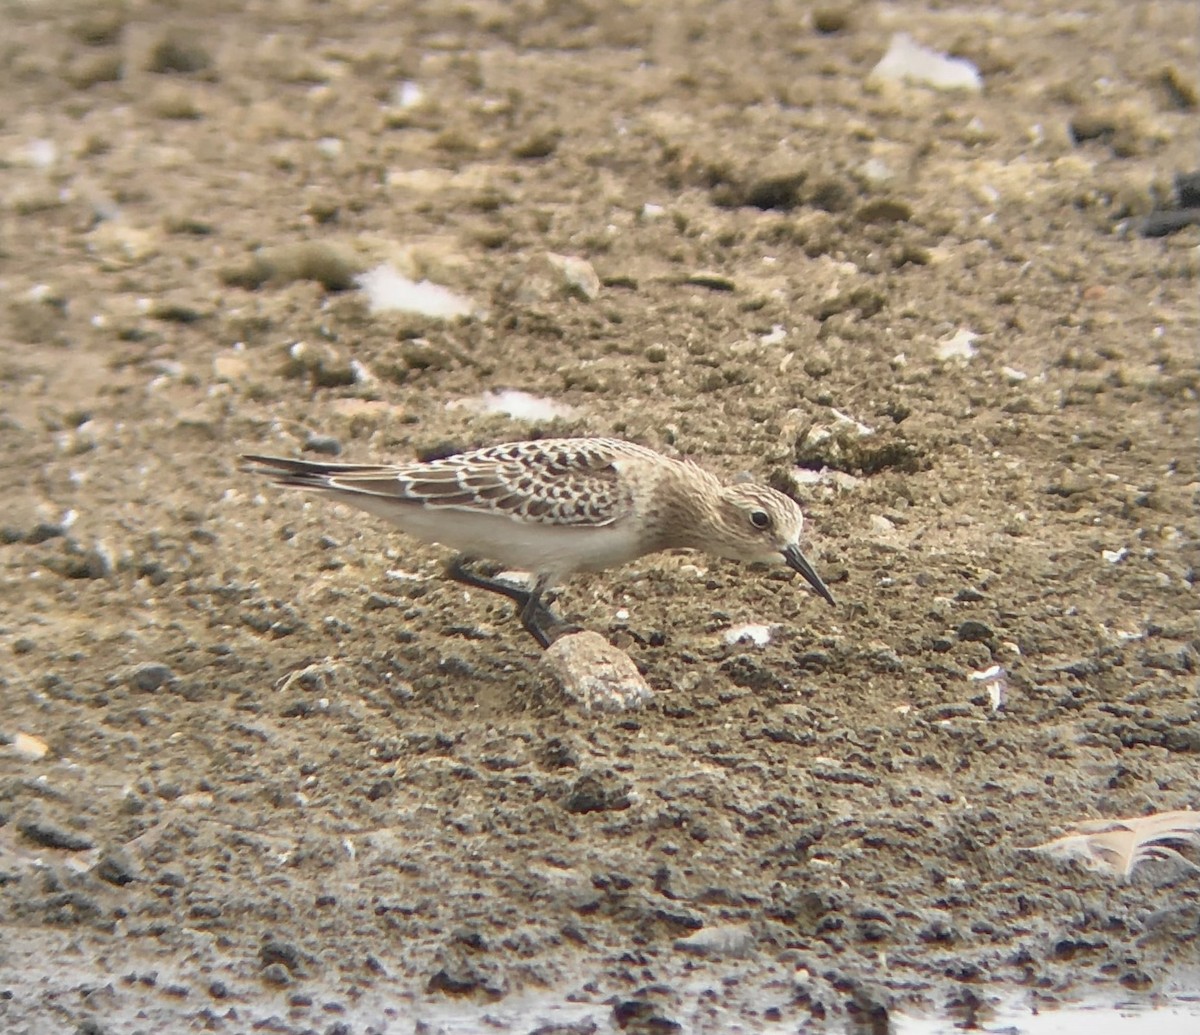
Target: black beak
[798, 562]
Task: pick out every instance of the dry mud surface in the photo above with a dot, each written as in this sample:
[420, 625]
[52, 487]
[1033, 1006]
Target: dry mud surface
[295, 781]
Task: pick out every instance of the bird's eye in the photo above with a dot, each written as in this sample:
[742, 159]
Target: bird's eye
[760, 519]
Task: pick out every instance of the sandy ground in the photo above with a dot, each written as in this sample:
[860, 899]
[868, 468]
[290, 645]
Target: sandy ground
[286, 778]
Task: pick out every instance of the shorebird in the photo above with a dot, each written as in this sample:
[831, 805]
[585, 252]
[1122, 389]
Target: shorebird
[558, 506]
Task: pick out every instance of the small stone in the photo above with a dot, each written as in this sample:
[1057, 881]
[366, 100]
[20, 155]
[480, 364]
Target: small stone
[116, 867]
[974, 631]
[50, 836]
[42, 531]
[177, 53]
[818, 365]
[326, 445]
[325, 365]
[92, 563]
[578, 277]
[327, 264]
[149, 676]
[884, 210]
[590, 793]
[541, 144]
[828, 20]
[281, 953]
[276, 974]
[712, 281]
[723, 941]
[595, 674]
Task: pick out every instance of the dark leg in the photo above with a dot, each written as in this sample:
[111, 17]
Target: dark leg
[537, 619]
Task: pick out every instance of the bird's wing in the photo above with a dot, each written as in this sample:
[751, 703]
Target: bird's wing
[559, 482]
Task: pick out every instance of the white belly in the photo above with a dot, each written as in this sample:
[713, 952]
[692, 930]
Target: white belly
[554, 549]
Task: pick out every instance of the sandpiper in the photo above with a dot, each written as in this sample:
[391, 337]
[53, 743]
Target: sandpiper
[557, 506]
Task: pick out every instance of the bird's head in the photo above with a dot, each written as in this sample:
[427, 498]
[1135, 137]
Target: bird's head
[757, 523]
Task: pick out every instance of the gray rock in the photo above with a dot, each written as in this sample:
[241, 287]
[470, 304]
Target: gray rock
[50, 836]
[975, 631]
[149, 676]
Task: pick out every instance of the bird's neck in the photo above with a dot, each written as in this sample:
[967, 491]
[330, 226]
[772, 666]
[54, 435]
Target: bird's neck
[687, 517]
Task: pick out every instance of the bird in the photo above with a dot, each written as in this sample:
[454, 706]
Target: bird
[557, 506]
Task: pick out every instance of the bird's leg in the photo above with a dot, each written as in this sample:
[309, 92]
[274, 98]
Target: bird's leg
[458, 571]
[537, 619]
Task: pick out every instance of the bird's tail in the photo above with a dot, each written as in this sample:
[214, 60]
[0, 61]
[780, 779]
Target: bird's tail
[305, 474]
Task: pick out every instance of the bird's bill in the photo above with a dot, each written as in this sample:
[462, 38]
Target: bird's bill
[798, 562]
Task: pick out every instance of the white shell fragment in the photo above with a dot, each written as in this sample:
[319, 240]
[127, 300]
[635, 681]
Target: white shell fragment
[389, 290]
[995, 679]
[514, 403]
[960, 345]
[759, 635]
[907, 61]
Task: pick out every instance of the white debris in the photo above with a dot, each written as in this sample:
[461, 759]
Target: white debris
[960, 345]
[877, 171]
[859, 427]
[775, 336]
[516, 404]
[41, 153]
[1014, 375]
[996, 681]
[1115, 556]
[825, 476]
[908, 61]
[29, 747]
[652, 211]
[330, 147]
[722, 941]
[759, 635]
[389, 290]
[397, 575]
[407, 95]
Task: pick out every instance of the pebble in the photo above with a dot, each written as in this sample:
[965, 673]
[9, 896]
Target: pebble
[325, 445]
[116, 867]
[724, 940]
[578, 276]
[149, 676]
[590, 793]
[974, 631]
[332, 267]
[276, 974]
[594, 674]
[50, 836]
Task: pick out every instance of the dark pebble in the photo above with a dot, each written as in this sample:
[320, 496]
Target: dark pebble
[591, 794]
[457, 982]
[638, 1015]
[150, 676]
[326, 445]
[280, 952]
[116, 867]
[42, 531]
[49, 836]
[276, 974]
[974, 631]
